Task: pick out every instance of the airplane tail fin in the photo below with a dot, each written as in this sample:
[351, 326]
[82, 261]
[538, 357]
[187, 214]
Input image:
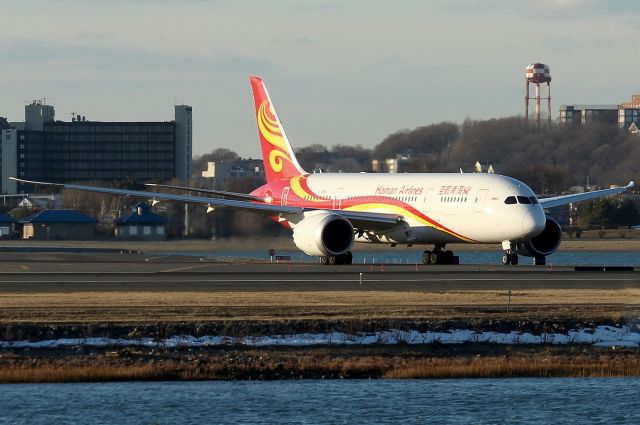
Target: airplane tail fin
[277, 155]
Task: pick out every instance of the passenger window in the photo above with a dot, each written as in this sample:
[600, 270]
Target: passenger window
[510, 200]
[524, 200]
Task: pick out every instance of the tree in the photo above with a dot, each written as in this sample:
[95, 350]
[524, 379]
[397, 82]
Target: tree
[432, 139]
[606, 212]
[627, 214]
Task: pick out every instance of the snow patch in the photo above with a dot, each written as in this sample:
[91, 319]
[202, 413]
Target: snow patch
[601, 336]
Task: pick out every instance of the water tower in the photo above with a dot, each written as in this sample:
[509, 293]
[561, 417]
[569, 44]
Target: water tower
[537, 74]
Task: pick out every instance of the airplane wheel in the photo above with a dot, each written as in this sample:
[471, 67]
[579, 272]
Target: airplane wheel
[332, 261]
[514, 259]
[433, 258]
[324, 260]
[540, 261]
[506, 259]
[425, 257]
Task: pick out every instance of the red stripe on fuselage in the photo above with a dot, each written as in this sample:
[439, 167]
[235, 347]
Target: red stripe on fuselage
[276, 188]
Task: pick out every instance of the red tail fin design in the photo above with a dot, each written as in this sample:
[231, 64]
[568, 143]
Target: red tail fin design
[277, 155]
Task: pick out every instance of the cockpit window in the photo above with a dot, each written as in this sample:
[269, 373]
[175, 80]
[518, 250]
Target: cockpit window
[523, 200]
[534, 200]
[510, 200]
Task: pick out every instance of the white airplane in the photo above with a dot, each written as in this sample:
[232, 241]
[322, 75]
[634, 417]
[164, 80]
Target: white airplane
[328, 212]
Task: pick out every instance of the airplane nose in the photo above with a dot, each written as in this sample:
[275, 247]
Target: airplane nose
[533, 223]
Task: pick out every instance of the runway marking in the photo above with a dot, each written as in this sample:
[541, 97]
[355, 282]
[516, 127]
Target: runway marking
[160, 257]
[183, 268]
[354, 279]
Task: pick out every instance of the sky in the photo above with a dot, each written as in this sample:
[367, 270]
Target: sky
[338, 72]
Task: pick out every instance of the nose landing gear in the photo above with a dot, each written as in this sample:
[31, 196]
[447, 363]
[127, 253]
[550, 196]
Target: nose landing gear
[510, 255]
[510, 258]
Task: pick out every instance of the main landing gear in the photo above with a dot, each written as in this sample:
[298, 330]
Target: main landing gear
[439, 256]
[346, 258]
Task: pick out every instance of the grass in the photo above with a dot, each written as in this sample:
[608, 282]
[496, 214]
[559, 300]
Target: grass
[509, 367]
[70, 373]
[319, 363]
[98, 307]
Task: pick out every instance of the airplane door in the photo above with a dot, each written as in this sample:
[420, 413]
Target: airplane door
[285, 195]
[337, 199]
[426, 206]
[481, 196]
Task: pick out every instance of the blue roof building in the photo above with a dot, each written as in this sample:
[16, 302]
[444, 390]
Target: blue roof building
[7, 225]
[5, 218]
[58, 224]
[141, 223]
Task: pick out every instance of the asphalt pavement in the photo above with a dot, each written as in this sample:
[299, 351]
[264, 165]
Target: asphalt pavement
[110, 272]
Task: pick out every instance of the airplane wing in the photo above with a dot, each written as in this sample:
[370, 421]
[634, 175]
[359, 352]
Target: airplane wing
[224, 194]
[28, 195]
[578, 197]
[359, 219]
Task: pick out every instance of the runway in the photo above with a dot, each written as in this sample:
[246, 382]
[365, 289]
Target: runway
[98, 288]
[104, 273]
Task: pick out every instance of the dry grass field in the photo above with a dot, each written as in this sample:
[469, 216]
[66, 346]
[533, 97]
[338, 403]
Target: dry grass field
[121, 307]
[318, 363]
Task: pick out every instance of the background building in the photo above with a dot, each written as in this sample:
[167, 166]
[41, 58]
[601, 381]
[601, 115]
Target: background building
[81, 150]
[7, 226]
[58, 224]
[140, 224]
[390, 165]
[586, 114]
[183, 132]
[626, 114]
[629, 114]
[223, 173]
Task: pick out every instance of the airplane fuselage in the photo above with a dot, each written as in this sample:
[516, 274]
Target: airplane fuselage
[436, 208]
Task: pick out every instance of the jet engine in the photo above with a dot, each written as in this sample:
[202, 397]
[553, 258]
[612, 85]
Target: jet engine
[323, 234]
[545, 243]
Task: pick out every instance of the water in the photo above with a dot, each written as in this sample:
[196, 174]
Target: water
[560, 258]
[464, 401]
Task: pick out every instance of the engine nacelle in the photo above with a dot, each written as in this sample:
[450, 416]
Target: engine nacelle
[323, 234]
[545, 243]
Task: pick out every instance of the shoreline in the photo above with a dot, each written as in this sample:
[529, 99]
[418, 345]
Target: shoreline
[286, 363]
[149, 359]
